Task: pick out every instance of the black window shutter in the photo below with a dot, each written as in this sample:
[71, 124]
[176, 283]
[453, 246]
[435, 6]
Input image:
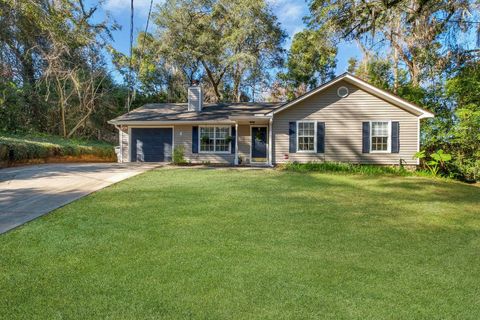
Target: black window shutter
[320, 137]
[195, 139]
[366, 137]
[395, 137]
[232, 143]
[292, 133]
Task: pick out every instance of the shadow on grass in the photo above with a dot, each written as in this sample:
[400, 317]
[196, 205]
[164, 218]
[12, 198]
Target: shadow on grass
[406, 202]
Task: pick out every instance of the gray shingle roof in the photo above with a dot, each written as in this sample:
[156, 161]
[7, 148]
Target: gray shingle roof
[179, 112]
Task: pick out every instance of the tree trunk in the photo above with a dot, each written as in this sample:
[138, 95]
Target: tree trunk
[30, 94]
[62, 107]
[395, 29]
[395, 71]
[366, 57]
[415, 73]
[214, 83]
[236, 85]
[79, 124]
[218, 96]
[412, 66]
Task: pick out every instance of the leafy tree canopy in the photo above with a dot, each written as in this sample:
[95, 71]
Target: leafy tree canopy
[229, 40]
[311, 60]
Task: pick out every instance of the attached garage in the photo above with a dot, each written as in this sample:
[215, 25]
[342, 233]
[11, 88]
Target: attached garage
[151, 144]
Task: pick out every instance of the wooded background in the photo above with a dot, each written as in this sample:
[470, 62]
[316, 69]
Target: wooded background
[55, 77]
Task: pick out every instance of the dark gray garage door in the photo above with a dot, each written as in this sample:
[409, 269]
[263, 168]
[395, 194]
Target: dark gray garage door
[151, 144]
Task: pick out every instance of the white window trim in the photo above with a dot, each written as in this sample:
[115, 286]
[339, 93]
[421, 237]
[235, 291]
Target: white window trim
[214, 140]
[389, 139]
[314, 137]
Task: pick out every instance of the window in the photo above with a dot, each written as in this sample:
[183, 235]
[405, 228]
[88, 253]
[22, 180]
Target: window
[214, 139]
[380, 134]
[306, 136]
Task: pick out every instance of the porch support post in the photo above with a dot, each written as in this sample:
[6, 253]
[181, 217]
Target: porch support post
[235, 161]
[270, 141]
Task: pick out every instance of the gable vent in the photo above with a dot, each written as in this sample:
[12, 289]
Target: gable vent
[195, 98]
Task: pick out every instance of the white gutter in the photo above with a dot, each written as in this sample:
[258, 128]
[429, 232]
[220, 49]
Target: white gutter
[163, 123]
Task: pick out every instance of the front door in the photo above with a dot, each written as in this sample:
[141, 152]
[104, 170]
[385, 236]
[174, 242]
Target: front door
[259, 144]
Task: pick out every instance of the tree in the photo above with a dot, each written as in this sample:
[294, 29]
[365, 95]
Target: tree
[374, 70]
[230, 40]
[156, 79]
[465, 135]
[421, 32]
[22, 36]
[53, 53]
[311, 61]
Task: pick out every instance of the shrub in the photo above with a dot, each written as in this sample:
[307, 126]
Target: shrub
[437, 161]
[179, 155]
[345, 167]
[18, 148]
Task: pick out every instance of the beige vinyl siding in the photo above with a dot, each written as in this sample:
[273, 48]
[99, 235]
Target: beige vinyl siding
[123, 139]
[183, 136]
[244, 141]
[343, 119]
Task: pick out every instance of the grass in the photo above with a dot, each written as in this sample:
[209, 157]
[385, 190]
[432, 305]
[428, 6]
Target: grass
[343, 167]
[24, 147]
[250, 244]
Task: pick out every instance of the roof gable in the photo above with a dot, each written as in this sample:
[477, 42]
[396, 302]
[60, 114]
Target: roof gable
[387, 96]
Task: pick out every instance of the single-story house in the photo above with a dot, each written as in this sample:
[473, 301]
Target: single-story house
[345, 120]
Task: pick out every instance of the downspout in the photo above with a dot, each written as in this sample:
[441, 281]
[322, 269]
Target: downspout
[120, 138]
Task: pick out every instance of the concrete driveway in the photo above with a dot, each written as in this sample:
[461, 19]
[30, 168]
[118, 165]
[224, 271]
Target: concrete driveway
[29, 192]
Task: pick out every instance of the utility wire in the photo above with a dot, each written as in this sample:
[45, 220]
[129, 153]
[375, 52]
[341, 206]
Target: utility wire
[142, 48]
[130, 69]
[146, 30]
[131, 88]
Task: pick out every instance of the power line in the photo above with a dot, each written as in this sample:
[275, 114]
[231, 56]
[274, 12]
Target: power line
[129, 77]
[142, 48]
[146, 29]
[131, 88]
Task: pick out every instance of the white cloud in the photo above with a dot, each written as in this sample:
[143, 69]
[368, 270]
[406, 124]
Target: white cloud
[288, 9]
[290, 14]
[297, 30]
[277, 2]
[140, 6]
[291, 11]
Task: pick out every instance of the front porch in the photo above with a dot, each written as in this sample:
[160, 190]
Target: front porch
[253, 141]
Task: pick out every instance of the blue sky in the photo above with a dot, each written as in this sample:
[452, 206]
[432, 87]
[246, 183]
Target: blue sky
[289, 13]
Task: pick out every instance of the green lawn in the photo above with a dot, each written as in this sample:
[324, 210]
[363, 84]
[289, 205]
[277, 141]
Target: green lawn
[246, 244]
